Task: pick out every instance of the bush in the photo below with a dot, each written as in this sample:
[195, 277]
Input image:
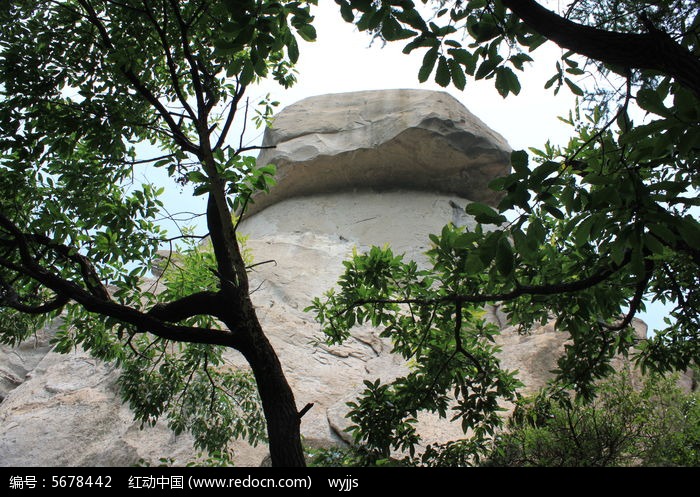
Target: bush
[656, 424]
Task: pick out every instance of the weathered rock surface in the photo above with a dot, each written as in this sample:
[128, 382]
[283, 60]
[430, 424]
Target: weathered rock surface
[410, 139]
[17, 362]
[355, 170]
[68, 413]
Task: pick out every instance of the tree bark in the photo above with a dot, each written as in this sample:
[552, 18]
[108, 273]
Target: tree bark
[654, 50]
[281, 415]
[279, 406]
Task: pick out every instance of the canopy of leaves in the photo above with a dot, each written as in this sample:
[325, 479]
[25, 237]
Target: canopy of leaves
[448, 343]
[92, 93]
[586, 233]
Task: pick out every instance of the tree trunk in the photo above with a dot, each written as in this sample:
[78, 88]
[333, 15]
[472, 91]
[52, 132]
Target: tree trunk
[280, 410]
[283, 422]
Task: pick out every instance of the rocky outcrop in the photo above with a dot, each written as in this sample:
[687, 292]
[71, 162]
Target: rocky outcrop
[409, 139]
[68, 413]
[17, 362]
[355, 170]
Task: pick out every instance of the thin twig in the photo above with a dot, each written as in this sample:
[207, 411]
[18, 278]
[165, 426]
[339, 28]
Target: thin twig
[261, 263]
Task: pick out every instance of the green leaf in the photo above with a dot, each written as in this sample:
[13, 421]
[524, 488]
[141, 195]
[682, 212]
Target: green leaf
[686, 104]
[412, 17]
[486, 68]
[536, 232]
[617, 252]
[501, 183]
[518, 60]
[248, 73]
[292, 50]
[507, 81]
[595, 179]
[466, 240]
[307, 32]
[201, 189]
[484, 214]
[542, 171]
[484, 30]
[473, 264]
[519, 160]
[554, 79]
[429, 60]
[553, 211]
[573, 87]
[346, 11]
[458, 77]
[663, 232]
[583, 231]
[197, 177]
[690, 231]
[465, 58]
[505, 260]
[650, 100]
[442, 75]
[653, 244]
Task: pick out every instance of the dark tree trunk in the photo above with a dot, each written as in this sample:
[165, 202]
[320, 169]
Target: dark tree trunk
[283, 421]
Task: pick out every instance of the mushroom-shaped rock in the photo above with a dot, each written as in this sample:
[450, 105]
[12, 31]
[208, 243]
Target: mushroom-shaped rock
[382, 140]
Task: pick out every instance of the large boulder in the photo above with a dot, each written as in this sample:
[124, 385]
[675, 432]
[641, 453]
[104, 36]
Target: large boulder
[382, 140]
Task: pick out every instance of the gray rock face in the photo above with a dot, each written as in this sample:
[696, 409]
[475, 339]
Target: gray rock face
[18, 362]
[382, 140]
[68, 413]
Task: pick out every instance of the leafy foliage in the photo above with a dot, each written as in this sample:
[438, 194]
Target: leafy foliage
[92, 92]
[196, 391]
[652, 425]
[447, 342]
[585, 233]
[191, 384]
[441, 36]
[634, 421]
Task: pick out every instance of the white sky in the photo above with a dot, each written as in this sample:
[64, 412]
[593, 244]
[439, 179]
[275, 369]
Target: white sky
[342, 60]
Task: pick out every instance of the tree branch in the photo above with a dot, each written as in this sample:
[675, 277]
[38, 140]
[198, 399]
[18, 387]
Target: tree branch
[225, 270]
[305, 409]
[458, 340]
[103, 304]
[197, 304]
[10, 298]
[240, 90]
[142, 321]
[520, 290]
[194, 70]
[261, 263]
[254, 147]
[172, 69]
[177, 133]
[653, 50]
[87, 270]
[636, 300]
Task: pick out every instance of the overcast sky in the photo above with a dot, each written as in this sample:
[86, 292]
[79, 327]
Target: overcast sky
[342, 60]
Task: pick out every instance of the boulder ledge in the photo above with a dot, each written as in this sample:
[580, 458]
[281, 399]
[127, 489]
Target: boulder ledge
[382, 140]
